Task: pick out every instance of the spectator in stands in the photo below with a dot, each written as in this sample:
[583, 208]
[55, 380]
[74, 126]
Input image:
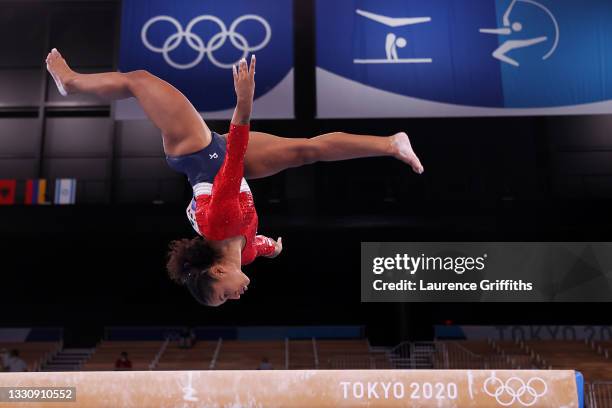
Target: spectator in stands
[187, 338]
[265, 364]
[15, 363]
[123, 363]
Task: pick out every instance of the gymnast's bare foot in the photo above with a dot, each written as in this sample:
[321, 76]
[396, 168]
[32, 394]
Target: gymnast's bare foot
[60, 71]
[401, 149]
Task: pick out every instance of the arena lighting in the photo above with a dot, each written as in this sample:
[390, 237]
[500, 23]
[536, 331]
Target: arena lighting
[296, 388]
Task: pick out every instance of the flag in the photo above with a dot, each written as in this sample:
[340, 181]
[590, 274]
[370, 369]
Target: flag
[36, 190]
[65, 191]
[7, 192]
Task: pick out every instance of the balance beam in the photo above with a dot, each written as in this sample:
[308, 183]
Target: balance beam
[299, 388]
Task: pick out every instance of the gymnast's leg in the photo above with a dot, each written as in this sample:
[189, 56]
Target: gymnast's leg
[268, 154]
[183, 129]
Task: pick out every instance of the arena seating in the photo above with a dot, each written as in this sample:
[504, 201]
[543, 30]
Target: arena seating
[34, 353]
[576, 355]
[489, 354]
[605, 346]
[199, 357]
[302, 354]
[598, 394]
[349, 354]
[590, 359]
[140, 353]
[240, 354]
[247, 355]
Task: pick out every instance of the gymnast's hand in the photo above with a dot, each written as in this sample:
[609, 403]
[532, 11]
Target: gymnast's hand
[244, 84]
[278, 247]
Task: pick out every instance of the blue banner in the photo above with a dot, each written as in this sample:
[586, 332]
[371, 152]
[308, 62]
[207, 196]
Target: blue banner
[193, 44]
[456, 58]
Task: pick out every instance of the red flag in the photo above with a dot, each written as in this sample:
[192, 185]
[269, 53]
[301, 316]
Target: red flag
[7, 191]
[29, 192]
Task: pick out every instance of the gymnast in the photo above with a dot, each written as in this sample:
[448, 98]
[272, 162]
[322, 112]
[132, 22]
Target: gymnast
[222, 211]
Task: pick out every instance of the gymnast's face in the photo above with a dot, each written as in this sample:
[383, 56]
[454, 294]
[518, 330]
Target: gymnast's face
[230, 284]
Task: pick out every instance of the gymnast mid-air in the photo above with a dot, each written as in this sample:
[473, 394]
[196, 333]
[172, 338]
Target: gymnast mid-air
[222, 210]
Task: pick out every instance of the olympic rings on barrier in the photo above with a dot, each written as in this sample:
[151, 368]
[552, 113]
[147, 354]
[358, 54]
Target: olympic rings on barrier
[516, 390]
[198, 44]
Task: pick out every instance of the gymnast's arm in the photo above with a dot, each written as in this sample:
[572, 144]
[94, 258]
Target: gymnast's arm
[223, 212]
[267, 247]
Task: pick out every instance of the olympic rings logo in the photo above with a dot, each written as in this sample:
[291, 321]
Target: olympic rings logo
[515, 389]
[198, 44]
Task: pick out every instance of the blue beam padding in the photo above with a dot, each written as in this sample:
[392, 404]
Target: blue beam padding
[580, 388]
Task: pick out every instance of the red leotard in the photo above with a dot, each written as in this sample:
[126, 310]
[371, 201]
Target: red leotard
[227, 212]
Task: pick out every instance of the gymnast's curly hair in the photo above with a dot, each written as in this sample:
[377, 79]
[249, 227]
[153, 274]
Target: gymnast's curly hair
[189, 261]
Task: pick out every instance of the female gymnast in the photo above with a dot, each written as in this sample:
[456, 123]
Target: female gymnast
[222, 211]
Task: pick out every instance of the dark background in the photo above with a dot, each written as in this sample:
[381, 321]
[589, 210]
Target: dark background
[101, 262]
